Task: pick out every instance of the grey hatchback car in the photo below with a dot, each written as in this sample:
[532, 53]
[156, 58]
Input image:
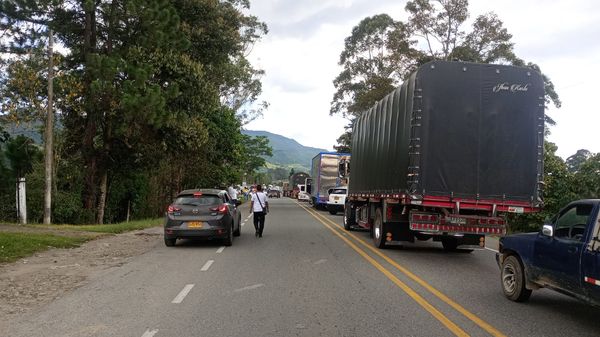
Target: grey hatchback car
[202, 213]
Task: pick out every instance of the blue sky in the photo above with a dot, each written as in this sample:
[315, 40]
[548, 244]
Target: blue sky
[301, 52]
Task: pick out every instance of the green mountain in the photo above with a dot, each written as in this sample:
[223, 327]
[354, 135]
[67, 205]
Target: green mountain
[287, 153]
[30, 130]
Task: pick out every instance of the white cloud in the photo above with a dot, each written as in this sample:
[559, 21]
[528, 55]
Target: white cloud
[301, 52]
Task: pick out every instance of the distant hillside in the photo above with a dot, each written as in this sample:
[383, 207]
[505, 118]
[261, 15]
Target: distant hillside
[287, 152]
[31, 130]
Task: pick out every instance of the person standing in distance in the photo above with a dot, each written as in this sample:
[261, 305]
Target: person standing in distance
[232, 193]
[259, 206]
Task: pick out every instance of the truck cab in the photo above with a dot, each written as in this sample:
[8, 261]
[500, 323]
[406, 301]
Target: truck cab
[564, 255]
[337, 199]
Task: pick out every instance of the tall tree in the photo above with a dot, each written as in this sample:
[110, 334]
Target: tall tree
[255, 149]
[575, 161]
[146, 84]
[375, 59]
[587, 178]
[21, 153]
[434, 30]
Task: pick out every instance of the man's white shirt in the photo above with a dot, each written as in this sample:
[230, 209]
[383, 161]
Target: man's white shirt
[256, 207]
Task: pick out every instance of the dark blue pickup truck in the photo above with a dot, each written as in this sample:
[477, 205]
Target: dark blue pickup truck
[564, 255]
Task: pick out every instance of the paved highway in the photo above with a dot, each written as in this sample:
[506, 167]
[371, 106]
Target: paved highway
[305, 277]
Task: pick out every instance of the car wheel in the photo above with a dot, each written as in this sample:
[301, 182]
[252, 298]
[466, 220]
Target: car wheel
[170, 242]
[238, 231]
[513, 280]
[379, 230]
[332, 211]
[229, 238]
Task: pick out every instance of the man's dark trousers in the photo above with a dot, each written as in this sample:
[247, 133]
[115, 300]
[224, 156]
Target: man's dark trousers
[259, 222]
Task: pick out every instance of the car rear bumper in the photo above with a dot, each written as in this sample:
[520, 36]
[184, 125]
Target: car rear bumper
[176, 233]
[335, 206]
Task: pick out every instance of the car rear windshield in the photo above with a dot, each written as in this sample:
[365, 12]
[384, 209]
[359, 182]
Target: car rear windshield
[338, 191]
[191, 200]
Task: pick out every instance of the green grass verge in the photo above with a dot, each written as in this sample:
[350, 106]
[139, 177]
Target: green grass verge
[14, 246]
[109, 228]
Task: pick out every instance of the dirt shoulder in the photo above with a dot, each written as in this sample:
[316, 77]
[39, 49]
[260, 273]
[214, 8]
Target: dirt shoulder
[31, 282]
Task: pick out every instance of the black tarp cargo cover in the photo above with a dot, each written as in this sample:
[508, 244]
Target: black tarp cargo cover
[454, 129]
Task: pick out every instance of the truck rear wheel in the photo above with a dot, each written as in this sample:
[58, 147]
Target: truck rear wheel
[349, 220]
[513, 280]
[379, 230]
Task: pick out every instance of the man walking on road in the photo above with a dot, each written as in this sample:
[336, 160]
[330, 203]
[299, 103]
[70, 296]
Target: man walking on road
[259, 205]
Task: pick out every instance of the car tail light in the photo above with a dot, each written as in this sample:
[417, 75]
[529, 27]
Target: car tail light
[173, 209]
[221, 209]
[197, 194]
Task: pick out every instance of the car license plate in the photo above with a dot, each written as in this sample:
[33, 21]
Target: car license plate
[195, 224]
[336, 198]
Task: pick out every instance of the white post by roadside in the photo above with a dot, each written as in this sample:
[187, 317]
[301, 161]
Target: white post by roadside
[21, 201]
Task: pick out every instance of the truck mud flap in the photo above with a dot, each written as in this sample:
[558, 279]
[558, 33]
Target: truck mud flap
[466, 241]
[400, 231]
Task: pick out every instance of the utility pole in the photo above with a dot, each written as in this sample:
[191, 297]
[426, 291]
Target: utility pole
[48, 137]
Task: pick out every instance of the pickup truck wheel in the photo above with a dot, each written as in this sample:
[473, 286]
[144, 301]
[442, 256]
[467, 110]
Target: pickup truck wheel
[379, 230]
[349, 220]
[332, 211]
[513, 280]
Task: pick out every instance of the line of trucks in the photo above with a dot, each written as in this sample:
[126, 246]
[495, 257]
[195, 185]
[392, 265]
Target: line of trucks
[445, 157]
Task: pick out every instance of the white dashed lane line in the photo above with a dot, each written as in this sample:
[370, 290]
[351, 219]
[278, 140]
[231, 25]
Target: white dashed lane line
[182, 294]
[207, 265]
[220, 250]
[255, 286]
[150, 333]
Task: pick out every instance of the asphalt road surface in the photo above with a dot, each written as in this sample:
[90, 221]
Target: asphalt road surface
[305, 277]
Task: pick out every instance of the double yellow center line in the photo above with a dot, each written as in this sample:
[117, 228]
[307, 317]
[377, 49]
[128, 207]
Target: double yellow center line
[329, 224]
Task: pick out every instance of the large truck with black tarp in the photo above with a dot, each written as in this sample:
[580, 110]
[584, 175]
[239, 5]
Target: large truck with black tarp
[448, 154]
[295, 181]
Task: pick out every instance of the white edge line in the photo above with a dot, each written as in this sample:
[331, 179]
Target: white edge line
[182, 294]
[207, 265]
[150, 333]
[493, 250]
[220, 250]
